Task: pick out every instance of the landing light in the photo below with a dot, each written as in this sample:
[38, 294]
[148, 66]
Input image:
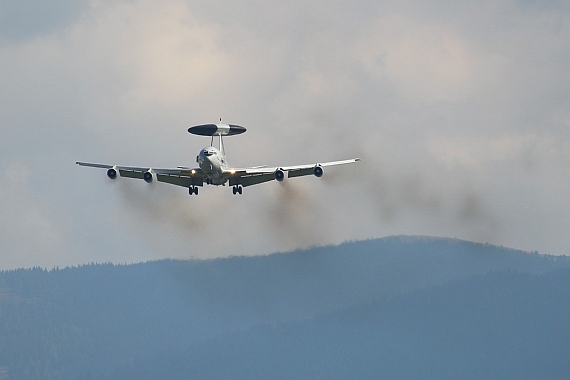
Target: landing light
[193, 171]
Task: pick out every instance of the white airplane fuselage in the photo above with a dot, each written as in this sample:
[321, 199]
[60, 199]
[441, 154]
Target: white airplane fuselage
[212, 162]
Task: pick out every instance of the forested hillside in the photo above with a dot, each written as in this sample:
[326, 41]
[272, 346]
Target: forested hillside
[502, 325]
[401, 307]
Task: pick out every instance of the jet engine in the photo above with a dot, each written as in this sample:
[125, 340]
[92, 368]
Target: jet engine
[318, 171]
[147, 176]
[112, 173]
[279, 175]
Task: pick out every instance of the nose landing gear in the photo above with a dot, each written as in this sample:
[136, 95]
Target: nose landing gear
[237, 189]
[193, 190]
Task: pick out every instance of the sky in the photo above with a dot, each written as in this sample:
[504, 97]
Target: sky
[460, 111]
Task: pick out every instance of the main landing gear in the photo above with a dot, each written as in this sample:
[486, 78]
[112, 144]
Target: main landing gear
[193, 190]
[237, 189]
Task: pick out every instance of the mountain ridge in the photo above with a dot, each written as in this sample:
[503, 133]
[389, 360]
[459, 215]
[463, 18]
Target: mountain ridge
[85, 321]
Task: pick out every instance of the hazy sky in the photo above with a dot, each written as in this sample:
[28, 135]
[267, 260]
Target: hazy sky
[460, 111]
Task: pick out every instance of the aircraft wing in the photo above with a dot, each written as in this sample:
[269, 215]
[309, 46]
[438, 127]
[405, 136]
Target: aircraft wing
[185, 177]
[252, 176]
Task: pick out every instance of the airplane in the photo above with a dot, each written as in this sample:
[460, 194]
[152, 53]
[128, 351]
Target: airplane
[213, 168]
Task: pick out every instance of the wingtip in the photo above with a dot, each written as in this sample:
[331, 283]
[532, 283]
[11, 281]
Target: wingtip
[357, 159]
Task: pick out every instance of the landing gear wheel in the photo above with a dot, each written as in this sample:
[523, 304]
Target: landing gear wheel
[237, 189]
[193, 190]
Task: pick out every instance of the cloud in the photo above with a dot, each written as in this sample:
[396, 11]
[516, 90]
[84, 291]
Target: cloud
[459, 112]
[25, 19]
[28, 235]
[161, 54]
[425, 61]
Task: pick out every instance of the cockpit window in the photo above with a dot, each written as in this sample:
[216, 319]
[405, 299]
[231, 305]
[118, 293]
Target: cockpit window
[208, 153]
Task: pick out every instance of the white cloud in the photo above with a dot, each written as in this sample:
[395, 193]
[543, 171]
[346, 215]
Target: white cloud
[523, 152]
[450, 106]
[426, 62]
[28, 236]
[162, 55]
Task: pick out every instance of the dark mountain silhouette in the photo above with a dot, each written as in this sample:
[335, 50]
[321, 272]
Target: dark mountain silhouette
[502, 325]
[400, 307]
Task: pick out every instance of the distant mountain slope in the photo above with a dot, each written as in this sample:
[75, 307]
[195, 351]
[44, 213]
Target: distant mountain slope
[83, 322]
[502, 325]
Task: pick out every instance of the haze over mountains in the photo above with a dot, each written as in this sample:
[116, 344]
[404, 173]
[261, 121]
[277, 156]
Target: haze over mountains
[398, 307]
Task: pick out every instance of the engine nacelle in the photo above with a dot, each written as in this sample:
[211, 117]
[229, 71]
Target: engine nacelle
[318, 171]
[147, 176]
[112, 173]
[279, 175]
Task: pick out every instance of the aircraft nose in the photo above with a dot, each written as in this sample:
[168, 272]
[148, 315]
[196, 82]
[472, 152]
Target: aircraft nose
[206, 163]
